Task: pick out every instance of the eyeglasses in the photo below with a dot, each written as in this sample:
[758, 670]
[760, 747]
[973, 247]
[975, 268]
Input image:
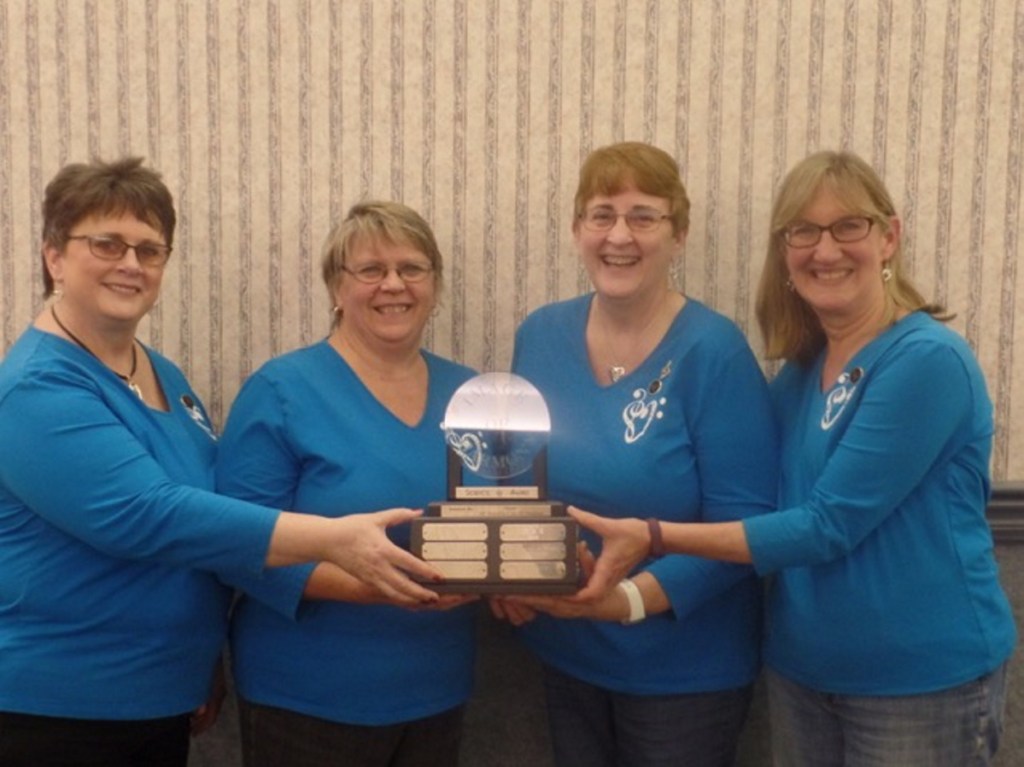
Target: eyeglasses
[804, 234]
[372, 274]
[638, 219]
[149, 254]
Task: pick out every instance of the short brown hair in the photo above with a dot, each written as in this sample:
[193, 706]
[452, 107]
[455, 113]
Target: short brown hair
[98, 188]
[611, 169]
[790, 328]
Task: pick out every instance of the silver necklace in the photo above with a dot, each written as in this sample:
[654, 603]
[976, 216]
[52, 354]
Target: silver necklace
[617, 371]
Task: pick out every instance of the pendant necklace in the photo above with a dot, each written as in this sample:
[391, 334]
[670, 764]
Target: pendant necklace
[126, 378]
[617, 371]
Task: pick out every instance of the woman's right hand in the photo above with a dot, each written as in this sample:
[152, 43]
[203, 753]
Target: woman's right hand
[624, 544]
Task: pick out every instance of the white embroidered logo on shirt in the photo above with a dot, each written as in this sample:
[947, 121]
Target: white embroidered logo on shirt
[837, 399]
[194, 412]
[645, 408]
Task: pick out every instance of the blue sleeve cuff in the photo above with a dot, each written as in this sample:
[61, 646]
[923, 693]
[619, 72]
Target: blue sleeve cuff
[279, 588]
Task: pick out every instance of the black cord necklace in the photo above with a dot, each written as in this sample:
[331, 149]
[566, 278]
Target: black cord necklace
[131, 374]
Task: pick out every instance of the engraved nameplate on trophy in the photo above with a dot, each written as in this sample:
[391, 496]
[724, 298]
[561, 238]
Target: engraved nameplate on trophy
[499, 533]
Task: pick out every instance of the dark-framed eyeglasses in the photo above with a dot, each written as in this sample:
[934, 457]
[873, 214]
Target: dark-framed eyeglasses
[107, 248]
[804, 234]
[372, 274]
[638, 219]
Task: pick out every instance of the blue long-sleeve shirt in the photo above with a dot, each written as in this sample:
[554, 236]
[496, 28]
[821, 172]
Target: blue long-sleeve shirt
[884, 579]
[304, 433]
[109, 537]
[688, 436]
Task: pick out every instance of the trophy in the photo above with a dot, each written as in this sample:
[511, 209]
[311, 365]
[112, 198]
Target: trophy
[492, 534]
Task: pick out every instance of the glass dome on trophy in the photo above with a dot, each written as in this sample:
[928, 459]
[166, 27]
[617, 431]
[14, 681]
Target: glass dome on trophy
[499, 533]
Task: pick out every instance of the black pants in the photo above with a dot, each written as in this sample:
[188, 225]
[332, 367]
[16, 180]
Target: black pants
[44, 741]
[275, 737]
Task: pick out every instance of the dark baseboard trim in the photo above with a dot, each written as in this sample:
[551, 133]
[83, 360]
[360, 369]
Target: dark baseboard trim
[1006, 512]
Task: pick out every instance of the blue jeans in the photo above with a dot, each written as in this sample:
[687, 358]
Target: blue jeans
[594, 727]
[957, 727]
[277, 737]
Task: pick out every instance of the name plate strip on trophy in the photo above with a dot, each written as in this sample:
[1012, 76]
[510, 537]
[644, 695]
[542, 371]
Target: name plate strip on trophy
[454, 550]
[521, 571]
[538, 531]
[533, 550]
[495, 510]
[456, 569]
[497, 493]
[455, 531]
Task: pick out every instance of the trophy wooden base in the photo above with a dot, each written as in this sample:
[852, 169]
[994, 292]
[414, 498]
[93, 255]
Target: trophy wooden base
[499, 547]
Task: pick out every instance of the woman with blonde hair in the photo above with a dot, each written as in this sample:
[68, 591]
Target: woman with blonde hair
[346, 426]
[888, 632]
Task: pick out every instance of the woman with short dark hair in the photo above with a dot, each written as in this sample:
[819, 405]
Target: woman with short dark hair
[112, 543]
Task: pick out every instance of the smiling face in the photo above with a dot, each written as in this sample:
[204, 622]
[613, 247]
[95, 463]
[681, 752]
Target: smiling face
[391, 313]
[841, 281]
[624, 265]
[101, 294]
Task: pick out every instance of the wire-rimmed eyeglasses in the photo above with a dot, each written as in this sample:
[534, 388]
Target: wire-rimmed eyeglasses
[371, 274]
[602, 219]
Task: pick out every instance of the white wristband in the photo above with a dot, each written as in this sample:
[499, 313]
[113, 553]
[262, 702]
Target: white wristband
[636, 602]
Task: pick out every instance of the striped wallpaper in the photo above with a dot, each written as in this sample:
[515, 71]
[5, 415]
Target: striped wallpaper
[269, 118]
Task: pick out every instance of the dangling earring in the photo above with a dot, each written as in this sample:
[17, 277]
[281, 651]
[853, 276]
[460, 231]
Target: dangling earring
[886, 274]
[58, 291]
[789, 284]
